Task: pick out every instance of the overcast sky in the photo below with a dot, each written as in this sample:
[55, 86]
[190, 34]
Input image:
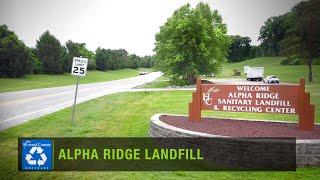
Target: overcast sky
[129, 24]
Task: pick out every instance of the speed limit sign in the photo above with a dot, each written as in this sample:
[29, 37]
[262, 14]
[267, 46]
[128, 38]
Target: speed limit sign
[79, 66]
[79, 69]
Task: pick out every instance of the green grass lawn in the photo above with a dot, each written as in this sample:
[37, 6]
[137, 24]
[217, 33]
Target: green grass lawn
[272, 66]
[122, 115]
[35, 81]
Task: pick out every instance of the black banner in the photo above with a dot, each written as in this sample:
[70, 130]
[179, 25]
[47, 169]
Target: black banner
[157, 154]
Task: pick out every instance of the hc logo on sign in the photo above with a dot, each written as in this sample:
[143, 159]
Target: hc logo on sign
[36, 155]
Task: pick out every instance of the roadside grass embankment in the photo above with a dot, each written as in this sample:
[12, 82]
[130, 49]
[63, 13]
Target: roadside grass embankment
[35, 81]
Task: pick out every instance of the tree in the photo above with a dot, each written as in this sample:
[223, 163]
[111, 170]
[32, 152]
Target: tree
[110, 59]
[272, 33]
[51, 54]
[73, 51]
[239, 49]
[191, 43]
[16, 58]
[77, 50]
[92, 64]
[37, 65]
[100, 58]
[122, 55]
[133, 61]
[303, 38]
[255, 51]
[105, 59]
[146, 61]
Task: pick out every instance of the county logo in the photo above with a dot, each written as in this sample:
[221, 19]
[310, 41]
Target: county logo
[36, 155]
[207, 97]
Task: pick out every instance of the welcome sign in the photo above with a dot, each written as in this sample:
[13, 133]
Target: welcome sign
[250, 98]
[280, 98]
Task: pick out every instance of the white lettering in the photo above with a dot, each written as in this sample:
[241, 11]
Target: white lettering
[253, 88]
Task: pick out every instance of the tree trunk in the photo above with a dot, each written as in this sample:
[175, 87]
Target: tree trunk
[310, 68]
[191, 79]
[310, 49]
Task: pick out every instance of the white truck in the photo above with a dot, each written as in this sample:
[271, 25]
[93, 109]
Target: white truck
[245, 69]
[254, 73]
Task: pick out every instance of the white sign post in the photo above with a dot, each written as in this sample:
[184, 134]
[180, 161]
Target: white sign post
[79, 69]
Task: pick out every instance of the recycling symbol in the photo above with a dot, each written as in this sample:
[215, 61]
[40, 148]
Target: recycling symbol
[39, 151]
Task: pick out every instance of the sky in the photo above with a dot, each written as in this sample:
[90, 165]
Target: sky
[128, 24]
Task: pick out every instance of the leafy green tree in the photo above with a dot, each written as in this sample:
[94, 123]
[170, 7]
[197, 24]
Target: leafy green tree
[77, 50]
[37, 65]
[109, 59]
[191, 43]
[122, 58]
[272, 33]
[101, 59]
[146, 62]
[51, 54]
[255, 51]
[86, 53]
[239, 49]
[73, 51]
[92, 64]
[134, 61]
[303, 37]
[105, 59]
[16, 59]
[113, 59]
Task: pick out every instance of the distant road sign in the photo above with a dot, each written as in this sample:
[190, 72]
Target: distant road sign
[79, 66]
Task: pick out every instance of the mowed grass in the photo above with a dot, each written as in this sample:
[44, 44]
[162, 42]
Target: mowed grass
[272, 66]
[35, 81]
[121, 115]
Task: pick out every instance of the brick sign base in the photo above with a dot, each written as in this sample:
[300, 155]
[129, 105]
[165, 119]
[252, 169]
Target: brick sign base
[307, 151]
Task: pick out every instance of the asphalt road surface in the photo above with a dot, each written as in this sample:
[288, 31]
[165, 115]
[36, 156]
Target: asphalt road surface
[21, 106]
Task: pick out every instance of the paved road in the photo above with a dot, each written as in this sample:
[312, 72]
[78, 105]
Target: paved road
[21, 106]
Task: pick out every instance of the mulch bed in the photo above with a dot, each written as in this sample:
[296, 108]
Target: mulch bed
[241, 128]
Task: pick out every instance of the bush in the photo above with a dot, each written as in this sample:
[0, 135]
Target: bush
[15, 58]
[285, 61]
